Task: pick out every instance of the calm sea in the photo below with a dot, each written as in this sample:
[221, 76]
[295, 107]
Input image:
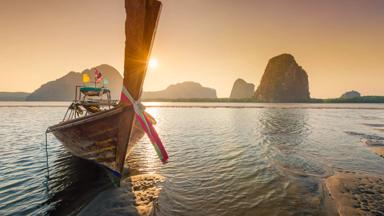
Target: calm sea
[225, 159]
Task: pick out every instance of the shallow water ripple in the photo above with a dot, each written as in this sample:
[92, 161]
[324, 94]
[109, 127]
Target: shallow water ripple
[223, 161]
[252, 161]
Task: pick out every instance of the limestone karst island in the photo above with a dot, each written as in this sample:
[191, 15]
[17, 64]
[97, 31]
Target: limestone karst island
[283, 81]
[192, 108]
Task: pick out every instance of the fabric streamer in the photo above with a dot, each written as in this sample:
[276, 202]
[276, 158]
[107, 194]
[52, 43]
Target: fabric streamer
[98, 76]
[146, 124]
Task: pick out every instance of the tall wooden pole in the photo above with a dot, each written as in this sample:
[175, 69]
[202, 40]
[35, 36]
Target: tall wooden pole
[140, 28]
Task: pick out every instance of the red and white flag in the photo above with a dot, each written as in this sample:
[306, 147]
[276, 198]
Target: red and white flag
[98, 76]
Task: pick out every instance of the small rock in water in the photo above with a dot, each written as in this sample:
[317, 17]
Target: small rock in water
[146, 191]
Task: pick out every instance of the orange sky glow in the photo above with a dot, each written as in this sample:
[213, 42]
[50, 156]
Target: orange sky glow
[340, 43]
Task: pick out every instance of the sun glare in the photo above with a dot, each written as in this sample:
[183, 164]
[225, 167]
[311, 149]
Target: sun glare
[153, 63]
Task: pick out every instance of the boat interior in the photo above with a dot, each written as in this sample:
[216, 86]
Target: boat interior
[89, 100]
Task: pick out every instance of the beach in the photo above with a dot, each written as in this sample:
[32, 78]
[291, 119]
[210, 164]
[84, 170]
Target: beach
[376, 146]
[357, 193]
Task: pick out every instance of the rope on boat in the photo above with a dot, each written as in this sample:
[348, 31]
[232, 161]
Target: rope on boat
[46, 182]
[146, 124]
[46, 154]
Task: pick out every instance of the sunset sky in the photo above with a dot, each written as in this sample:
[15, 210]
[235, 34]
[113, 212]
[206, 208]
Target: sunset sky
[340, 43]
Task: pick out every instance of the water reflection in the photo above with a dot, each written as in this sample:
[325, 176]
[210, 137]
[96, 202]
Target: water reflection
[72, 183]
[297, 186]
[223, 161]
[242, 166]
[285, 128]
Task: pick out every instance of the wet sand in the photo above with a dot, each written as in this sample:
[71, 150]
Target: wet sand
[146, 191]
[376, 146]
[136, 197]
[356, 194]
[378, 150]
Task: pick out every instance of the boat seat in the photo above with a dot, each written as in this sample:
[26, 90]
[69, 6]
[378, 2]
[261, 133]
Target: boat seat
[93, 91]
[92, 108]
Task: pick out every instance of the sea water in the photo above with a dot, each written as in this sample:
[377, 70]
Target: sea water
[225, 159]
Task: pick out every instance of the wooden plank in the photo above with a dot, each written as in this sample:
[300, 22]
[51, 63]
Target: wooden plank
[140, 28]
[86, 119]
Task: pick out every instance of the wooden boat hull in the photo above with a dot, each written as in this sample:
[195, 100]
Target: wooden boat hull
[104, 136]
[101, 137]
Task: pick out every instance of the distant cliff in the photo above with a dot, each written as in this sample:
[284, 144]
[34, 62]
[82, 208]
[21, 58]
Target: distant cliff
[182, 90]
[13, 96]
[63, 89]
[242, 89]
[283, 81]
[350, 94]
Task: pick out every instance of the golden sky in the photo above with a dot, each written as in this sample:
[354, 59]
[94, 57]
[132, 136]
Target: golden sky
[340, 43]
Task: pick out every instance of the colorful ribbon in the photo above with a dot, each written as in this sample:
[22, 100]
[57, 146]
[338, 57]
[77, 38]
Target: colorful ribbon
[146, 124]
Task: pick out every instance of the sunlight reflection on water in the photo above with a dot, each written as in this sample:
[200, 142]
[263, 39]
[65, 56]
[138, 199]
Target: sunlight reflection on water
[223, 161]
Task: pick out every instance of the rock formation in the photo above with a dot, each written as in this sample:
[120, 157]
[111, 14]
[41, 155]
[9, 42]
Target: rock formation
[350, 94]
[13, 96]
[242, 89]
[185, 90]
[283, 81]
[63, 89]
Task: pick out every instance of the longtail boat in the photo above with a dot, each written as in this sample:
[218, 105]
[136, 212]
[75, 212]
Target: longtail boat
[103, 130]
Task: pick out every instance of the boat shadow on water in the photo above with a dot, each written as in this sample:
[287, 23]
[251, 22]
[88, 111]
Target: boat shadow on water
[72, 183]
[137, 193]
[77, 186]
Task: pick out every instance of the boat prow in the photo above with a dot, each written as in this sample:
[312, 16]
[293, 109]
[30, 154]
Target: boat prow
[103, 130]
[102, 137]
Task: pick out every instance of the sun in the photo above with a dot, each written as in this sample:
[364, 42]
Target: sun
[153, 63]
